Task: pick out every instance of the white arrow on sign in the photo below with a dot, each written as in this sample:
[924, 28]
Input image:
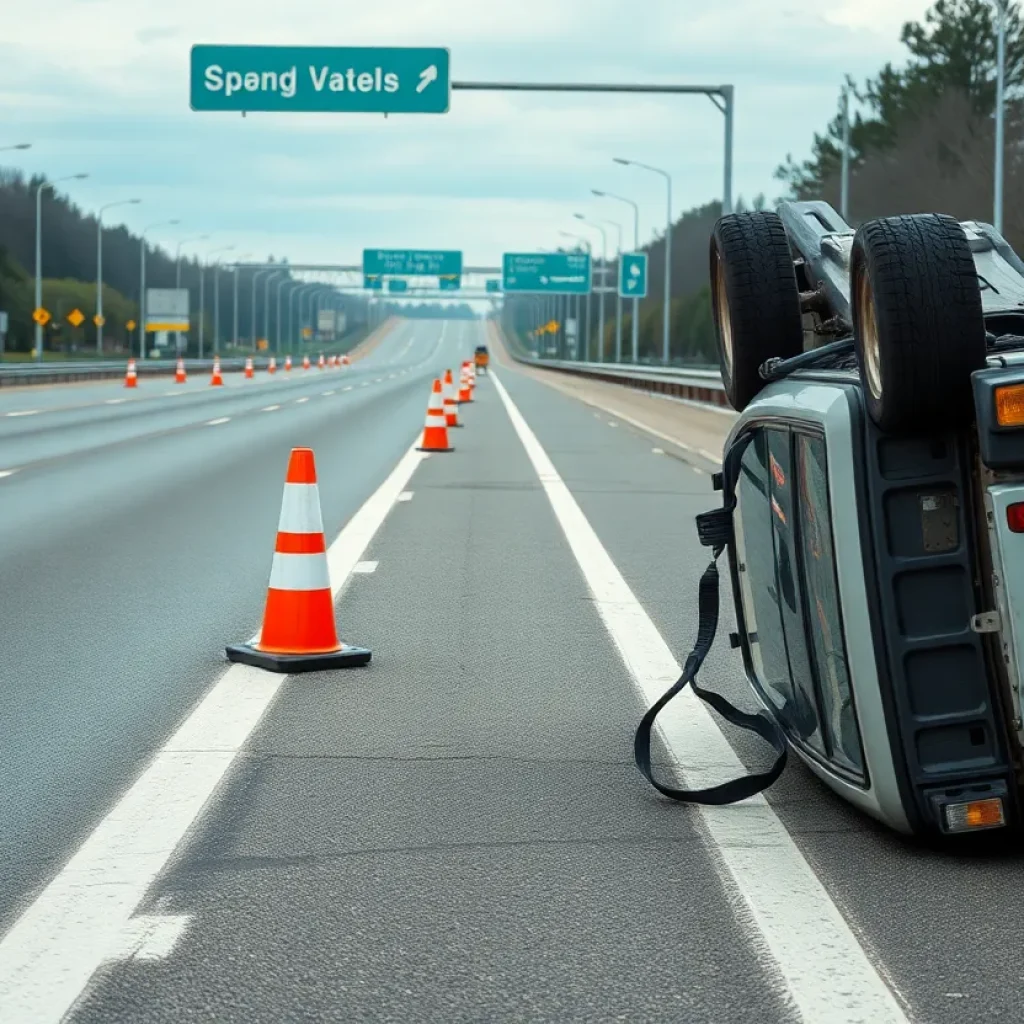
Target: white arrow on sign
[543, 280]
[635, 270]
[427, 75]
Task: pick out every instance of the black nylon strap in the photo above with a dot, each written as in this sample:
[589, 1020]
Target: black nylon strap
[715, 533]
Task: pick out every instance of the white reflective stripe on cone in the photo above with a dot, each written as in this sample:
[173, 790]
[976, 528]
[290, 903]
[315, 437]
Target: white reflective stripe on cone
[300, 509]
[299, 572]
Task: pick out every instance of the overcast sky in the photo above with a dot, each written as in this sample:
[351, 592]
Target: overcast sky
[102, 86]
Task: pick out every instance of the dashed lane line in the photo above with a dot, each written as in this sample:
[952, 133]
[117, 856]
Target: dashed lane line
[299, 401]
[24, 412]
[218, 422]
[270, 408]
[789, 915]
[79, 920]
[7, 472]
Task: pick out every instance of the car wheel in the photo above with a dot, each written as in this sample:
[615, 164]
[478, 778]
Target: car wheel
[917, 320]
[755, 300]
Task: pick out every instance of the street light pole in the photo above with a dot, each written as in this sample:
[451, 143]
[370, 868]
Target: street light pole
[99, 266]
[266, 304]
[604, 268]
[618, 292]
[234, 315]
[142, 282]
[726, 207]
[177, 279]
[39, 246]
[216, 298]
[844, 176]
[581, 351]
[635, 326]
[1001, 15]
[255, 281]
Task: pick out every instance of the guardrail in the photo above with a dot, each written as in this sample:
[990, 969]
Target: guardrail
[12, 374]
[695, 384]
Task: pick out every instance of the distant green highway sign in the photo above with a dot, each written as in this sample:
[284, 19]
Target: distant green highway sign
[398, 285]
[633, 275]
[321, 79]
[562, 273]
[376, 282]
[412, 262]
[493, 285]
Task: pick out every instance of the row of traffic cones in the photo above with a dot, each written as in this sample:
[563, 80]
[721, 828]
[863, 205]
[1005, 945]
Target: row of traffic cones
[131, 377]
[300, 632]
[443, 408]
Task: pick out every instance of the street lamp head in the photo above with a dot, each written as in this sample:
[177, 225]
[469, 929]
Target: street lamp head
[22, 145]
[579, 216]
[78, 177]
[134, 202]
[170, 222]
[597, 192]
[619, 160]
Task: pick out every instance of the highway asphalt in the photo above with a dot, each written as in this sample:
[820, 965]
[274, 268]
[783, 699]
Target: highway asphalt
[457, 832]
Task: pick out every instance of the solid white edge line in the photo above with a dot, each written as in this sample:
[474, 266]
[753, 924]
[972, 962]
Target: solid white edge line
[789, 914]
[78, 921]
[7, 472]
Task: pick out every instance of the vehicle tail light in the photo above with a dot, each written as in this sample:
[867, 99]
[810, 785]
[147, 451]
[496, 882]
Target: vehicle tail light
[1015, 517]
[974, 815]
[1010, 405]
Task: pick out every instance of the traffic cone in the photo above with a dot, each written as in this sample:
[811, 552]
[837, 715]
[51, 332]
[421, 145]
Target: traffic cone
[272, 368]
[435, 433]
[248, 368]
[179, 374]
[299, 632]
[216, 380]
[130, 376]
[451, 406]
[287, 364]
[465, 392]
[305, 362]
[345, 361]
[322, 362]
[332, 361]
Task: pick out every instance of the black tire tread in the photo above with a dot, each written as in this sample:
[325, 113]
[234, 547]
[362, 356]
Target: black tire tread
[762, 295]
[930, 321]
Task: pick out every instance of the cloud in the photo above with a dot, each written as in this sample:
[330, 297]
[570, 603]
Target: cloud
[103, 87]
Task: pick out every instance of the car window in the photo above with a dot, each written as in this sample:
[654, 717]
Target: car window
[763, 619]
[826, 633]
[801, 711]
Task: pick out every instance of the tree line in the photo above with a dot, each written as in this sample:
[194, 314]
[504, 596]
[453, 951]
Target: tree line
[69, 237]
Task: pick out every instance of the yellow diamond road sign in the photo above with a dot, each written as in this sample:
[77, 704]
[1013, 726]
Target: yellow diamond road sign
[76, 318]
[41, 316]
[130, 325]
[98, 320]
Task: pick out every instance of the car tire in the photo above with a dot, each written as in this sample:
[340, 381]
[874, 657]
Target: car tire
[755, 300]
[917, 321]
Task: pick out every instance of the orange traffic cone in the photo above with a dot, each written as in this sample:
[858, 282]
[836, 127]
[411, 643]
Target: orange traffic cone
[322, 363]
[465, 392]
[272, 368]
[287, 364]
[345, 361]
[248, 368]
[451, 406]
[332, 361]
[435, 433]
[299, 632]
[179, 374]
[305, 362]
[216, 380]
[130, 376]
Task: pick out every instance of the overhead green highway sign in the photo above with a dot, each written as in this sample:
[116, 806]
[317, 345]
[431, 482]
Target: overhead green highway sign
[398, 285]
[633, 275]
[561, 273]
[321, 79]
[412, 262]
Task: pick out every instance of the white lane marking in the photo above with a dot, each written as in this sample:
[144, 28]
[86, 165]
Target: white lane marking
[710, 456]
[365, 384]
[172, 394]
[348, 387]
[218, 422]
[271, 408]
[365, 568]
[115, 401]
[299, 401]
[326, 393]
[391, 376]
[405, 496]
[657, 451]
[79, 919]
[612, 423]
[7, 472]
[378, 380]
[24, 412]
[151, 937]
[826, 972]
[697, 470]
